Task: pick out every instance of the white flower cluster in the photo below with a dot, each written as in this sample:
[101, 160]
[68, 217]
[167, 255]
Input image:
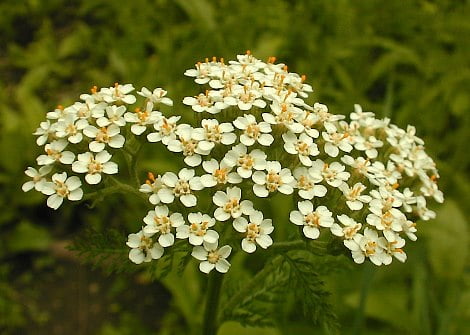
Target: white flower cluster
[78, 138]
[365, 181]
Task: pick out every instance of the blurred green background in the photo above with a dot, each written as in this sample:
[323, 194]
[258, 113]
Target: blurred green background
[406, 60]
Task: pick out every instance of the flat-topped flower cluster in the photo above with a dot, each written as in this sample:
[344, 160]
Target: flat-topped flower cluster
[365, 181]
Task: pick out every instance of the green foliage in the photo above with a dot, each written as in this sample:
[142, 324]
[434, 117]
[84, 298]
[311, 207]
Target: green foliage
[407, 60]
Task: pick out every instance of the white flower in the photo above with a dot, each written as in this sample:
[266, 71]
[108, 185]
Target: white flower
[142, 118]
[144, 249]
[276, 179]
[158, 96]
[118, 93]
[253, 132]
[302, 146]
[248, 97]
[333, 173]
[55, 153]
[368, 145]
[218, 174]
[244, 161]
[366, 245]
[202, 103]
[229, 204]
[359, 115]
[198, 230]
[45, 132]
[188, 145]
[335, 141]
[71, 127]
[159, 221]
[309, 120]
[201, 73]
[257, 231]
[211, 257]
[94, 166]
[284, 114]
[388, 221]
[350, 227]
[306, 183]
[104, 136]
[152, 185]
[62, 187]
[212, 133]
[324, 117]
[392, 249]
[114, 115]
[37, 176]
[165, 128]
[310, 219]
[353, 196]
[181, 186]
[360, 164]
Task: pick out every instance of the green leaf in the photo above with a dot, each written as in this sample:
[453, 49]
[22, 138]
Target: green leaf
[447, 240]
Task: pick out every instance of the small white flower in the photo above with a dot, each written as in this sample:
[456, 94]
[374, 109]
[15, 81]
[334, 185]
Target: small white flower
[253, 132]
[55, 153]
[118, 93]
[309, 121]
[71, 127]
[392, 249]
[368, 145]
[257, 231]
[360, 164]
[389, 222]
[211, 257]
[152, 186]
[181, 186]
[324, 117]
[37, 176]
[104, 136]
[45, 132]
[333, 173]
[62, 187]
[276, 179]
[202, 103]
[248, 97]
[366, 245]
[201, 73]
[198, 230]
[353, 196]
[307, 183]
[94, 166]
[142, 118]
[144, 249]
[244, 161]
[218, 174]
[335, 141]
[188, 145]
[166, 130]
[284, 114]
[212, 133]
[159, 221]
[229, 204]
[310, 219]
[114, 115]
[158, 96]
[350, 227]
[302, 146]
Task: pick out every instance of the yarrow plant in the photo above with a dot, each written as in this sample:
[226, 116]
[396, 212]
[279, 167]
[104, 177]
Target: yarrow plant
[362, 181]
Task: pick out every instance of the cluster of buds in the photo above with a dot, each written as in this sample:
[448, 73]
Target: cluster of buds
[365, 181]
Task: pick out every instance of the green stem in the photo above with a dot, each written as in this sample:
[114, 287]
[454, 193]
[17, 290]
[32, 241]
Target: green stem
[214, 286]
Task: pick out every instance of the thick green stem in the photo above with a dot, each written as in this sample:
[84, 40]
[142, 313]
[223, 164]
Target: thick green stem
[214, 286]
